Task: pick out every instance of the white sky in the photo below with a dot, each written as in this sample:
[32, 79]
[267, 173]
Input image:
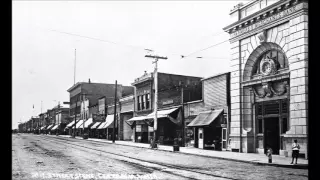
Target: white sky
[43, 60]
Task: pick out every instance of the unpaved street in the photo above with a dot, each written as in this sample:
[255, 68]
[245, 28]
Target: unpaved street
[32, 154]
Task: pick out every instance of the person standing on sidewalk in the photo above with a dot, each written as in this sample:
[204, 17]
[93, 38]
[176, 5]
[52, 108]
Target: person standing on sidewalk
[295, 151]
[269, 154]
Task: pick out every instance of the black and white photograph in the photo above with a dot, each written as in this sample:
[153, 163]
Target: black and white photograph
[214, 89]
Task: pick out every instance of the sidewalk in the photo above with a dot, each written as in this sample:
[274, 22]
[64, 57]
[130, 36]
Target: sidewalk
[254, 158]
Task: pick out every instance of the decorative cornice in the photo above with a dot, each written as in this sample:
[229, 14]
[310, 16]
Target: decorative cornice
[264, 17]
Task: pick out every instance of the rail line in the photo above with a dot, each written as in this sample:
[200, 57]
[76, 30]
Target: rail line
[160, 165]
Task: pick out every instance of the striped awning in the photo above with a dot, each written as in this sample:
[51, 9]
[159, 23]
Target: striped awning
[95, 125]
[109, 121]
[88, 122]
[70, 124]
[55, 127]
[79, 124]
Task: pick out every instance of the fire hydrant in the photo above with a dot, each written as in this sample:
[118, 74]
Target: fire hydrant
[269, 154]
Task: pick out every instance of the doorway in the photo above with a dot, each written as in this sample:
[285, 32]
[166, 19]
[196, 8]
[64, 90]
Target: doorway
[272, 134]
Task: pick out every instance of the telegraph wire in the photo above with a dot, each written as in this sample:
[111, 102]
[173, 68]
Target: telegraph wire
[140, 47]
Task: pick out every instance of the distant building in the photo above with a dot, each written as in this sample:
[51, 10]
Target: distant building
[87, 94]
[269, 78]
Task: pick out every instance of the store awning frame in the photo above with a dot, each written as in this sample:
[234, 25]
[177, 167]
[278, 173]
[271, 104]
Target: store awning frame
[205, 118]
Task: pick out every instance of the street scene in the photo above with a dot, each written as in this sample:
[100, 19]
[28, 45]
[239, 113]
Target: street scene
[51, 154]
[160, 90]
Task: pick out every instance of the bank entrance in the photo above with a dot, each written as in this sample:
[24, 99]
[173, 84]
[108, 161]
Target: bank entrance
[272, 123]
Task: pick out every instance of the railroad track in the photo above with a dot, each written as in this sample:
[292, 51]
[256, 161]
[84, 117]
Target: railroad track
[156, 166]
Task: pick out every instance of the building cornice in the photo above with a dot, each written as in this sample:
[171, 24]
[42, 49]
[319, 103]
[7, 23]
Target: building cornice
[273, 13]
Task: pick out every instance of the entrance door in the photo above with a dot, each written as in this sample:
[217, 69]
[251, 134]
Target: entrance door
[224, 138]
[200, 136]
[271, 134]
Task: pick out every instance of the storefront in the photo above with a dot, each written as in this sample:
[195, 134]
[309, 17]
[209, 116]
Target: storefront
[269, 78]
[169, 126]
[210, 130]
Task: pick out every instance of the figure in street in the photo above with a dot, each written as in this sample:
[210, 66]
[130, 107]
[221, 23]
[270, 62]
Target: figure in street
[295, 151]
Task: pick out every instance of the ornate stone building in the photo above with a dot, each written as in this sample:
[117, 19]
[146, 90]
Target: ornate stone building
[269, 78]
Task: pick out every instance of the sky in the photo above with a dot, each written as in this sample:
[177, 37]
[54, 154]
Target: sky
[110, 38]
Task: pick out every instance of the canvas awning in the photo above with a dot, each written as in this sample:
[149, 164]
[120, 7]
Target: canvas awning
[43, 127]
[70, 124]
[205, 118]
[161, 113]
[95, 125]
[102, 125]
[79, 124]
[138, 118]
[50, 126]
[88, 122]
[109, 121]
[55, 127]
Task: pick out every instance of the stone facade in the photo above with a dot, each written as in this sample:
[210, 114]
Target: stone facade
[281, 27]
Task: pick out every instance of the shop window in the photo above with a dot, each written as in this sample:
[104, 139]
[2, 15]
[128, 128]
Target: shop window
[260, 126]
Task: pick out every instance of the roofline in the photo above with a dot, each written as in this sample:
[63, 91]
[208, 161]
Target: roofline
[80, 83]
[216, 75]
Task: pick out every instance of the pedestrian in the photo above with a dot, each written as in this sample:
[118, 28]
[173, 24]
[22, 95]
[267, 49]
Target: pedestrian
[269, 155]
[295, 151]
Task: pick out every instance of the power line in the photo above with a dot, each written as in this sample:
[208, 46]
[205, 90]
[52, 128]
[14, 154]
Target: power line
[140, 47]
[205, 48]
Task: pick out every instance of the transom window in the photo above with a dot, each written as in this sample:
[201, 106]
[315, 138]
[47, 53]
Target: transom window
[278, 57]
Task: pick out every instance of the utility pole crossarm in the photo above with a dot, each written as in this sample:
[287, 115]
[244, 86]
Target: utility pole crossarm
[155, 57]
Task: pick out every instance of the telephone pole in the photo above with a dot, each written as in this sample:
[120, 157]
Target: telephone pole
[155, 124]
[114, 113]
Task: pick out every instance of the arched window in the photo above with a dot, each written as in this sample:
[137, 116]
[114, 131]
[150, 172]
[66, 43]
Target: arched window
[278, 57]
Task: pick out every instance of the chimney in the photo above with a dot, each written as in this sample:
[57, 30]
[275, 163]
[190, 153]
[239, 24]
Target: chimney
[89, 80]
[145, 73]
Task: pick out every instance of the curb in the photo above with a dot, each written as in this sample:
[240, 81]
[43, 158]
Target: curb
[299, 166]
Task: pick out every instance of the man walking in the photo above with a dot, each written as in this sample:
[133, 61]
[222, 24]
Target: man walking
[295, 151]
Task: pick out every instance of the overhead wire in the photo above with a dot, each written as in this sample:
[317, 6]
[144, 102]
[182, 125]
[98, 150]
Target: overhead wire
[140, 47]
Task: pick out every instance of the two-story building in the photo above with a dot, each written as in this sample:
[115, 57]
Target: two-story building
[173, 91]
[269, 76]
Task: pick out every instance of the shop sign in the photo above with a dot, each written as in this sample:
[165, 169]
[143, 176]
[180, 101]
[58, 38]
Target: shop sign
[268, 20]
[170, 101]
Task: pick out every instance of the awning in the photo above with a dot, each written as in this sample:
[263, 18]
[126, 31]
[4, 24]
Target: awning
[102, 125]
[109, 121]
[55, 127]
[162, 113]
[138, 118]
[88, 122]
[70, 124]
[50, 126]
[79, 123]
[205, 118]
[42, 127]
[95, 125]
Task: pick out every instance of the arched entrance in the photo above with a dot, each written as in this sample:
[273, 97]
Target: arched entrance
[265, 84]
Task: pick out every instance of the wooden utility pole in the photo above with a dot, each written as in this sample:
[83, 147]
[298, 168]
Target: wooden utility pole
[75, 60]
[155, 124]
[182, 117]
[114, 113]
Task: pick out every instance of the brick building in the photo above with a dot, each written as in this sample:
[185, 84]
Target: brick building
[269, 78]
[171, 89]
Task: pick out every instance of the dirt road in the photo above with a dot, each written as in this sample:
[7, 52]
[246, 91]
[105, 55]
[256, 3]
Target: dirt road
[35, 155]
